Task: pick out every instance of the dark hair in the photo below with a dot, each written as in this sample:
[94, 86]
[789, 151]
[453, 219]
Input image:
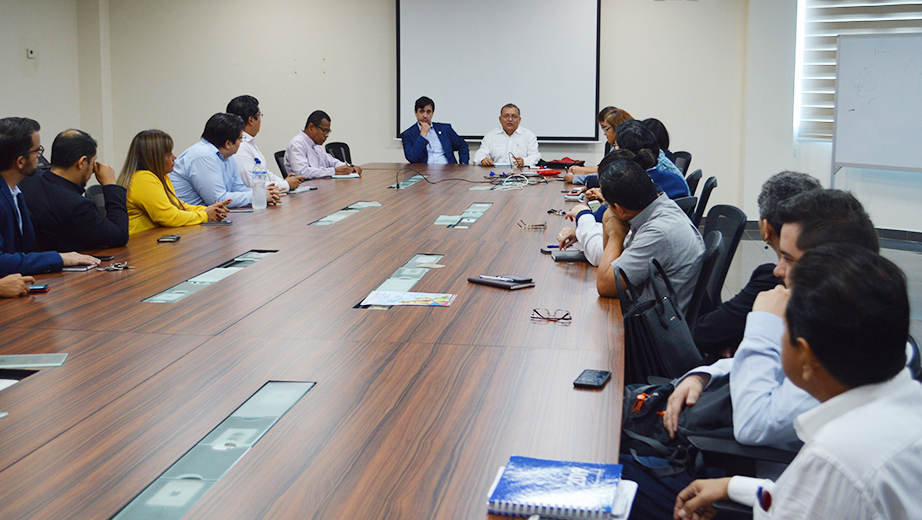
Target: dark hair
[422, 102]
[634, 137]
[508, 105]
[604, 113]
[851, 306]
[829, 217]
[245, 107]
[69, 146]
[779, 188]
[625, 183]
[15, 139]
[316, 117]
[658, 129]
[222, 128]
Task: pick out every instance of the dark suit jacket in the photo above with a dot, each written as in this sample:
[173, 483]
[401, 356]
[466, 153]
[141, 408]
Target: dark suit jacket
[65, 220]
[414, 145]
[16, 249]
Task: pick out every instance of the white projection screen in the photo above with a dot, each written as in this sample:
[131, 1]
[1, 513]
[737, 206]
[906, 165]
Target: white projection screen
[474, 56]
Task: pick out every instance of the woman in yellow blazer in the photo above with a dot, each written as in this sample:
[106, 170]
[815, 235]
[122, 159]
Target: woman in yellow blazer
[151, 199]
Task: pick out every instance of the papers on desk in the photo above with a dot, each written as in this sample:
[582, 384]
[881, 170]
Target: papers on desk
[301, 189]
[447, 220]
[215, 275]
[347, 176]
[409, 298]
[13, 361]
[6, 383]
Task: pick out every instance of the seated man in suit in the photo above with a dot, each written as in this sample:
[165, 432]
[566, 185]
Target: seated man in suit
[247, 107]
[509, 144]
[658, 229]
[206, 173]
[20, 147]
[63, 217]
[845, 323]
[306, 157]
[433, 143]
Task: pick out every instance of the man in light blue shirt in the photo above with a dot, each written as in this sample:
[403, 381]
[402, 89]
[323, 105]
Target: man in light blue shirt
[206, 173]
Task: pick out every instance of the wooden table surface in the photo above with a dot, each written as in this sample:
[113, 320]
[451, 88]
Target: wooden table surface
[414, 408]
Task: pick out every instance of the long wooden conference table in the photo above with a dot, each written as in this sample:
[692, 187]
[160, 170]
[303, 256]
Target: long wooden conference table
[414, 408]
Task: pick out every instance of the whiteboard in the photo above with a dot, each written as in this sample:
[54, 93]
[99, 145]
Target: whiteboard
[878, 102]
[474, 56]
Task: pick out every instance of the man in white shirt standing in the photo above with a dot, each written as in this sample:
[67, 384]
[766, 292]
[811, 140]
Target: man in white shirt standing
[509, 143]
[247, 107]
[846, 320]
[305, 155]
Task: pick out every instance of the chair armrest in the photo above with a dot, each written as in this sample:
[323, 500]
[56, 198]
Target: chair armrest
[731, 447]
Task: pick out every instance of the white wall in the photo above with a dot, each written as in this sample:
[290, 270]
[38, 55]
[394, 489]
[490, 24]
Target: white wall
[45, 88]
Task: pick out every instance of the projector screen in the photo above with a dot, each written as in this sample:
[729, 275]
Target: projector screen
[474, 56]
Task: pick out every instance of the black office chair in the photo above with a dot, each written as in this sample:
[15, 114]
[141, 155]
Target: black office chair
[688, 205]
[692, 180]
[713, 249]
[95, 193]
[280, 160]
[730, 222]
[682, 161]
[340, 151]
[709, 186]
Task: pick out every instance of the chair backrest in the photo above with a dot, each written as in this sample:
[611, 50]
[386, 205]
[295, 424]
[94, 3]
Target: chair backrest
[713, 248]
[95, 193]
[730, 222]
[709, 186]
[915, 363]
[280, 160]
[688, 205]
[340, 151]
[682, 162]
[692, 181]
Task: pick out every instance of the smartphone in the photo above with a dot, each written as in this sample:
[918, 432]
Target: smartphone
[79, 268]
[592, 379]
[104, 258]
[218, 223]
[240, 210]
[169, 238]
[39, 288]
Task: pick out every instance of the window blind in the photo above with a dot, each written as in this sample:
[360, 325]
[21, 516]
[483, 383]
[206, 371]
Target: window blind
[821, 22]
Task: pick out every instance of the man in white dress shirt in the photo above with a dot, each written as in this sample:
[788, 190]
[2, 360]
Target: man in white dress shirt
[305, 155]
[509, 143]
[247, 107]
[846, 320]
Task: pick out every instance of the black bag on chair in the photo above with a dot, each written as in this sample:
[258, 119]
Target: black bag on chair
[657, 340]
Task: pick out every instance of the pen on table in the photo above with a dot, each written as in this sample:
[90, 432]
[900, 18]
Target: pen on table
[499, 278]
[553, 246]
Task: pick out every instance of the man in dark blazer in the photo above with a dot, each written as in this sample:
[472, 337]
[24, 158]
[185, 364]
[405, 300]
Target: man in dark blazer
[20, 147]
[64, 218]
[434, 143]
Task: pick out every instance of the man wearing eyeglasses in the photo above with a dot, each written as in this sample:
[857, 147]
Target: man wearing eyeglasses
[20, 147]
[305, 155]
[510, 144]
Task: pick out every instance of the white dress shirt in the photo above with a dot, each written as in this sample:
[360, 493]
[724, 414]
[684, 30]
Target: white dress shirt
[16, 192]
[434, 150]
[246, 156]
[589, 234]
[305, 158]
[862, 458]
[497, 145]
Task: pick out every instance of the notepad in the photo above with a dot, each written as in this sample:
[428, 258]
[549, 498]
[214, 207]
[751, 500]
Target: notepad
[560, 489]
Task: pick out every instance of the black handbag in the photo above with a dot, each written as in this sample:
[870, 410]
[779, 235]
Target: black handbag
[657, 339]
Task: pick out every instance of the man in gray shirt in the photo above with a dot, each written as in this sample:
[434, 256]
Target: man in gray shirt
[658, 229]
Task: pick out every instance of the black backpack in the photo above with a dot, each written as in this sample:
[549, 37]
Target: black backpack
[643, 433]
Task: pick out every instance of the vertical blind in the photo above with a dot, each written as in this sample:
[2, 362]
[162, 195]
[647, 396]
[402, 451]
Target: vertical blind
[823, 21]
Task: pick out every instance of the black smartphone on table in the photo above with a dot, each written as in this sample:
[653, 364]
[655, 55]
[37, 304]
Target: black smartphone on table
[168, 238]
[42, 288]
[592, 379]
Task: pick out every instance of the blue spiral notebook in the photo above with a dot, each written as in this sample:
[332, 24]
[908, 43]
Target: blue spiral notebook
[561, 489]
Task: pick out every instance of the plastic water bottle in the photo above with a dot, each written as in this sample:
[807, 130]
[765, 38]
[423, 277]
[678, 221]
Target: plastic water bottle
[259, 185]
